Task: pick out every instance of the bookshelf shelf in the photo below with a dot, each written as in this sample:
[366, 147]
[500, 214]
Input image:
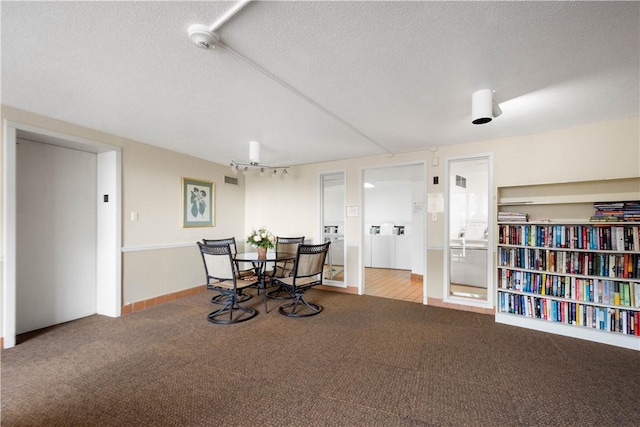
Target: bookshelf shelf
[565, 274]
[603, 251]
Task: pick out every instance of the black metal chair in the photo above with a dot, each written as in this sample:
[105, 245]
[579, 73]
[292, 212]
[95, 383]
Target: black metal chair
[308, 270]
[283, 268]
[231, 241]
[222, 276]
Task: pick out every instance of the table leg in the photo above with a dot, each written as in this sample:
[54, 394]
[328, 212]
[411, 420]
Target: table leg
[260, 268]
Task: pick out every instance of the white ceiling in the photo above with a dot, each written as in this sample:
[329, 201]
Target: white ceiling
[367, 77]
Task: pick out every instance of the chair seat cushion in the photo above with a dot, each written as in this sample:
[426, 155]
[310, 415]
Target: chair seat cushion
[301, 282]
[228, 284]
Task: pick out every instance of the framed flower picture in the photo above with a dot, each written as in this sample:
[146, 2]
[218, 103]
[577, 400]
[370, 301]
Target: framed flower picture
[198, 208]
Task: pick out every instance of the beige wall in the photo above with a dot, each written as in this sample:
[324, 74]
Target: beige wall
[156, 260]
[596, 151]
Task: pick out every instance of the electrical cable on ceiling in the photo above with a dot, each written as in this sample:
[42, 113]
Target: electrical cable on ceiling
[301, 95]
[205, 38]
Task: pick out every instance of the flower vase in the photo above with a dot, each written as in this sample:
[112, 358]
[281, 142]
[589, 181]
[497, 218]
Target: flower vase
[262, 252]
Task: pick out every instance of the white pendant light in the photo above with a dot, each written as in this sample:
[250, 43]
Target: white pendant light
[483, 107]
[254, 152]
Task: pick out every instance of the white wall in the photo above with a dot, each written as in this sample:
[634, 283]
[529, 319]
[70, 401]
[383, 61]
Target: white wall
[151, 182]
[388, 201]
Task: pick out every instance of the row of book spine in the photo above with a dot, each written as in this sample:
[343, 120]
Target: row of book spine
[589, 290]
[621, 211]
[623, 266]
[589, 237]
[602, 318]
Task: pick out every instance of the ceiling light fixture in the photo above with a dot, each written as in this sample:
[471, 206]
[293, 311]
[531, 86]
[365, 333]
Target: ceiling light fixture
[254, 163]
[254, 152]
[484, 107]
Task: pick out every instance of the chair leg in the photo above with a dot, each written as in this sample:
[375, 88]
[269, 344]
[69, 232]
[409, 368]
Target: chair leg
[222, 298]
[233, 310]
[289, 309]
[279, 293]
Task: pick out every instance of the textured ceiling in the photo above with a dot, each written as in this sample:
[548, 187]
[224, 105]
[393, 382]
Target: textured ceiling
[329, 80]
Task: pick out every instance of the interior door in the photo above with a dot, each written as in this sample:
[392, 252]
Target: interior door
[333, 199]
[56, 234]
[468, 228]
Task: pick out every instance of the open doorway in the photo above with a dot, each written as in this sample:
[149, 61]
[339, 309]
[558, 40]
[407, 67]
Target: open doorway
[393, 233]
[107, 285]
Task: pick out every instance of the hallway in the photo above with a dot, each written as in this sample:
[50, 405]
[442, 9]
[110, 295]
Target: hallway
[394, 284]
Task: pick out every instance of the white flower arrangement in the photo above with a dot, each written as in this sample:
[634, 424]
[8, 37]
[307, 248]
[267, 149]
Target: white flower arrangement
[261, 238]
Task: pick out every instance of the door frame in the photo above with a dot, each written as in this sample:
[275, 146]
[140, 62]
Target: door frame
[423, 218]
[446, 296]
[321, 204]
[109, 224]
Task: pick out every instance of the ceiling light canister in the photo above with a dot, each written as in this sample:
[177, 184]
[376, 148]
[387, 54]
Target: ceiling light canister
[481, 106]
[254, 152]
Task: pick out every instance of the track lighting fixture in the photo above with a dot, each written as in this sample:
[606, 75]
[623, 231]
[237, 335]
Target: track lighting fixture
[254, 163]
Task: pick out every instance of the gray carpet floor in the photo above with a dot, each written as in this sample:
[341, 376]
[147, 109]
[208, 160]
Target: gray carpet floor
[364, 361]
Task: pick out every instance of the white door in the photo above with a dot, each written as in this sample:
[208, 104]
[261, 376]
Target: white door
[55, 234]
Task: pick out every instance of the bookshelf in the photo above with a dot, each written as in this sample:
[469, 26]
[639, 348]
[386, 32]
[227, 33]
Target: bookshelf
[558, 270]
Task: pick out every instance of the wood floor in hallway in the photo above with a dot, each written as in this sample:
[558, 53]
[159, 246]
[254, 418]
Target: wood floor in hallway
[394, 284]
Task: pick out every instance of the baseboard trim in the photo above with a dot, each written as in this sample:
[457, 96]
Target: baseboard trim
[438, 302]
[152, 302]
[348, 290]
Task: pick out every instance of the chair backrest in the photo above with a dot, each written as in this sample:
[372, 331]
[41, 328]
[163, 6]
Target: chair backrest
[231, 241]
[218, 262]
[310, 260]
[288, 244]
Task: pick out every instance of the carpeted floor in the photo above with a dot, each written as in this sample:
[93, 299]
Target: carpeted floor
[364, 361]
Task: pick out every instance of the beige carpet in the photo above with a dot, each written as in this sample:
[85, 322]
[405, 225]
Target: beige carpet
[364, 361]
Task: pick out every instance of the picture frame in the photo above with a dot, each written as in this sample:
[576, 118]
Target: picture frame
[198, 203]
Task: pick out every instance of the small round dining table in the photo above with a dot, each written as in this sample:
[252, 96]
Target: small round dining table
[260, 265]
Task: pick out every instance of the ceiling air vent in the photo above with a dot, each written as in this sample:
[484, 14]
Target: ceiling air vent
[230, 180]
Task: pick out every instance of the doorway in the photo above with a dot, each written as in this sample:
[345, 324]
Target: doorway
[393, 232]
[107, 212]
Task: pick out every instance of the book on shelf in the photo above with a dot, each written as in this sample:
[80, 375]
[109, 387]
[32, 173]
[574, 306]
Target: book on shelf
[628, 211]
[512, 216]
